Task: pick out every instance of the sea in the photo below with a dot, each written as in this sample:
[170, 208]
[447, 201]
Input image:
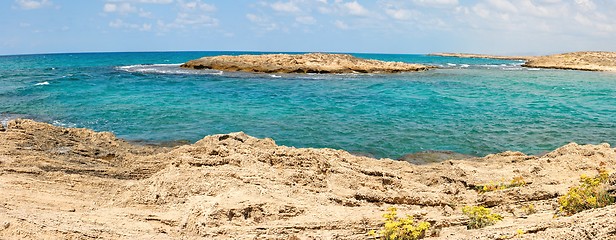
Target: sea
[469, 106]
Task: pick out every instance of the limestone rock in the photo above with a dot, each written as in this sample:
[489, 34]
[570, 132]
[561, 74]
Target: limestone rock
[587, 61]
[301, 63]
[59, 183]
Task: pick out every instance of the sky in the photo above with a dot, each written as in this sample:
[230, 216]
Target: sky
[507, 27]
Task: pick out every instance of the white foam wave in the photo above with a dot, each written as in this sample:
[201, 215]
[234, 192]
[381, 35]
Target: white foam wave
[166, 69]
[42, 83]
[451, 64]
[275, 76]
[512, 68]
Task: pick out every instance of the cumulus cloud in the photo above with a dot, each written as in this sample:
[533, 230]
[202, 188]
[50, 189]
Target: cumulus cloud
[136, 14]
[263, 22]
[32, 4]
[356, 9]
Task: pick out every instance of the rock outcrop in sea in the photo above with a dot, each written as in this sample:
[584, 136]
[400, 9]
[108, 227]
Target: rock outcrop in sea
[65, 183]
[302, 63]
[486, 56]
[586, 61]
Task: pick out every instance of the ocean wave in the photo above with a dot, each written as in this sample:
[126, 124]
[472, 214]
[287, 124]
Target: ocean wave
[165, 69]
[42, 83]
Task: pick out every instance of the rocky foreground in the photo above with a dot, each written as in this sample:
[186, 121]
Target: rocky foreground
[301, 63]
[62, 183]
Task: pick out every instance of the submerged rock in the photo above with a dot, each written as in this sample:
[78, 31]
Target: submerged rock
[302, 63]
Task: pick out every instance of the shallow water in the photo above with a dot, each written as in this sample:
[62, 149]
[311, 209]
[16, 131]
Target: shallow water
[471, 106]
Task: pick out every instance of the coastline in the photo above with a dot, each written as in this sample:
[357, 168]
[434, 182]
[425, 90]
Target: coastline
[581, 61]
[485, 56]
[65, 182]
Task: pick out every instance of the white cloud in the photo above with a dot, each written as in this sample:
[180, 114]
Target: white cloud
[436, 3]
[306, 20]
[121, 8]
[119, 23]
[341, 25]
[155, 1]
[587, 5]
[196, 5]
[33, 4]
[188, 20]
[191, 14]
[354, 8]
[289, 7]
[401, 14]
[262, 22]
[503, 5]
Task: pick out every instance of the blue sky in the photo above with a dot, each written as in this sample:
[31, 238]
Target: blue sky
[381, 26]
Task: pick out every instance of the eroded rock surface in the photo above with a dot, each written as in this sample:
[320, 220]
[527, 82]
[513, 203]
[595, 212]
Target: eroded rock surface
[62, 183]
[301, 63]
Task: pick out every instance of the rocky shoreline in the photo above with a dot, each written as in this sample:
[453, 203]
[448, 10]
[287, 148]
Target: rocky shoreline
[65, 183]
[583, 61]
[302, 63]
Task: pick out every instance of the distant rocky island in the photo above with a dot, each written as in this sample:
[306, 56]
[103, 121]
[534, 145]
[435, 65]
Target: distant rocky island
[584, 61]
[486, 56]
[302, 63]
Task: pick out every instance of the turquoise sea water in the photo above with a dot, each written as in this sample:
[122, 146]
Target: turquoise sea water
[471, 106]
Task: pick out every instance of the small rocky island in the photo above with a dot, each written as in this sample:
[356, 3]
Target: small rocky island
[586, 61]
[583, 61]
[302, 63]
[486, 56]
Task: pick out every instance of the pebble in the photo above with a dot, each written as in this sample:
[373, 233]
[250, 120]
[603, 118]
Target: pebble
[5, 225]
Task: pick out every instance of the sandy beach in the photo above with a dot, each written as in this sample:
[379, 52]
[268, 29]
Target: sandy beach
[65, 183]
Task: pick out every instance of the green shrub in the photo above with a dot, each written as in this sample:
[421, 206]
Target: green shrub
[480, 216]
[591, 193]
[401, 228]
[494, 186]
